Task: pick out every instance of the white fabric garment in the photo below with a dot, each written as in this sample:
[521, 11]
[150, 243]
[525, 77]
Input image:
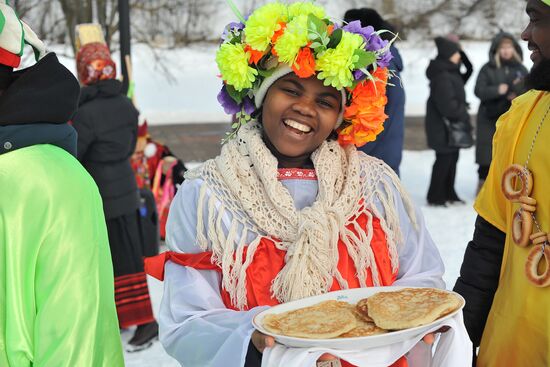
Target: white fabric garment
[196, 328]
[454, 349]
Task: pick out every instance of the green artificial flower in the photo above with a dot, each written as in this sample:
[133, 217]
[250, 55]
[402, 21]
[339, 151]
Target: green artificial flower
[263, 23]
[306, 8]
[232, 62]
[335, 65]
[293, 39]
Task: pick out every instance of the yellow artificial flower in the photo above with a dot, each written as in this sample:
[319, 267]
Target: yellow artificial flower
[306, 8]
[232, 62]
[263, 23]
[335, 64]
[293, 39]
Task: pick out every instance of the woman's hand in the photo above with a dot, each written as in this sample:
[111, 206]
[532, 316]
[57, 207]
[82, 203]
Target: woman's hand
[262, 341]
[430, 338]
[327, 357]
[502, 89]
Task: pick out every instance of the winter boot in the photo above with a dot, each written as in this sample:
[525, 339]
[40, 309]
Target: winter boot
[143, 337]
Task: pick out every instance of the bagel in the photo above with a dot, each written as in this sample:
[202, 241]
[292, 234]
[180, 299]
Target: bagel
[508, 182]
[527, 200]
[528, 208]
[531, 266]
[538, 238]
[522, 226]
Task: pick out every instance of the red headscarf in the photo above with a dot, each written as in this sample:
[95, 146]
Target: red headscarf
[94, 63]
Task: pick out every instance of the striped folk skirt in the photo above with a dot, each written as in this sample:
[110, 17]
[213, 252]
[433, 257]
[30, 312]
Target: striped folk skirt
[131, 291]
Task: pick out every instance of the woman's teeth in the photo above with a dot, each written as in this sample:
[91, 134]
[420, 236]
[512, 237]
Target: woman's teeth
[298, 126]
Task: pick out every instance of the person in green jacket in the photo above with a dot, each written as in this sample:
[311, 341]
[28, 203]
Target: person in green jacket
[56, 278]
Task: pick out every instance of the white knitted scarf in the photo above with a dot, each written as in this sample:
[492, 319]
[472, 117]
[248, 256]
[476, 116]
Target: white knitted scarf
[242, 182]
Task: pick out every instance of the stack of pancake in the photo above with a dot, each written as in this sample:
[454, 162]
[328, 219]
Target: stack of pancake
[377, 314]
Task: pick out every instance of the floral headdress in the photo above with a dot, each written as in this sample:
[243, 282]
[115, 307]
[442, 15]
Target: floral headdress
[299, 36]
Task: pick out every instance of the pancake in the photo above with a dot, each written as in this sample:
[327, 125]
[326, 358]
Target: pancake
[324, 320]
[410, 307]
[363, 328]
[362, 310]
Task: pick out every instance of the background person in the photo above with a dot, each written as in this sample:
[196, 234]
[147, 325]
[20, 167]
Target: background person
[499, 81]
[56, 279]
[465, 65]
[447, 100]
[158, 175]
[388, 145]
[107, 122]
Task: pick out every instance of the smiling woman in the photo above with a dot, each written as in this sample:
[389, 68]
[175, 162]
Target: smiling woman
[297, 116]
[290, 208]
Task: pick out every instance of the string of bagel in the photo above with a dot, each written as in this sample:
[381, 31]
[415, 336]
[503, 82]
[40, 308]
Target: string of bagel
[524, 218]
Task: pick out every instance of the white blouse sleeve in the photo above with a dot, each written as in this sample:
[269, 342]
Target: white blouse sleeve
[195, 326]
[420, 264]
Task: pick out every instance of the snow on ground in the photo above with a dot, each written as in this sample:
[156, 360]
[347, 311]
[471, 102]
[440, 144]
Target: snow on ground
[451, 229]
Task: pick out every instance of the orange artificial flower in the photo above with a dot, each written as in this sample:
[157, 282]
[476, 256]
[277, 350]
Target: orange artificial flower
[330, 29]
[276, 35]
[304, 66]
[254, 55]
[279, 33]
[366, 113]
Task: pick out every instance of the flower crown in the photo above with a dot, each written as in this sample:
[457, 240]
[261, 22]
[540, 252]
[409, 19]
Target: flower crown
[300, 36]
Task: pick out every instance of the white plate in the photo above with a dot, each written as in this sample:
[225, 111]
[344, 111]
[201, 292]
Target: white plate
[360, 343]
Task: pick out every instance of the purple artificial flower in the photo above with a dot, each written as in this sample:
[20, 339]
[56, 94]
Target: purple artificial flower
[229, 105]
[232, 27]
[358, 75]
[376, 43]
[384, 61]
[248, 105]
[373, 43]
[355, 27]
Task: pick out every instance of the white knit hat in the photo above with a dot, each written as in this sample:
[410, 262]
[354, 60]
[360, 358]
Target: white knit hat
[13, 35]
[281, 71]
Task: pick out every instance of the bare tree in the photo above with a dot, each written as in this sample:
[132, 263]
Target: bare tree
[82, 11]
[173, 23]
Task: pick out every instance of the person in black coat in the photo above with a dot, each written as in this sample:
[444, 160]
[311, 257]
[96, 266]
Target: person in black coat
[107, 123]
[388, 145]
[447, 101]
[468, 69]
[498, 82]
